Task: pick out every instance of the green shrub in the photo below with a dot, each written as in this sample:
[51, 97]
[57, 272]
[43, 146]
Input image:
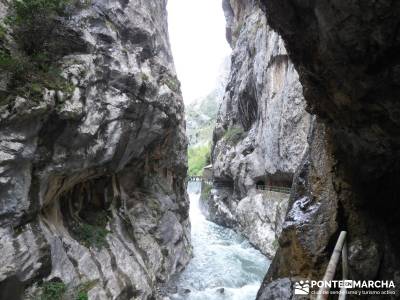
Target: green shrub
[82, 296]
[92, 232]
[205, 191]
[29, 78]
[2, 31]
[60, 291]
[198, 158]
[153, 204]
[7, 63]
[233, 135]
[33, 22]
[90, 235]
[33, 67]
[53, 290]
[275, 244]
[83, 289]
[172, 82]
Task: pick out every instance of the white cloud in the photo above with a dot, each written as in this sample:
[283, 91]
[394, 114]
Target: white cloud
[197, 34]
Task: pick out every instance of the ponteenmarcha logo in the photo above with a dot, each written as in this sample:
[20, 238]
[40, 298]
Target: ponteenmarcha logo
[302, 287]
[355, 287]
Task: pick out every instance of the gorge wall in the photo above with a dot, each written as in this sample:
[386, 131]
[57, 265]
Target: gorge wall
[92, 152]
[347, 56]
[261, 131]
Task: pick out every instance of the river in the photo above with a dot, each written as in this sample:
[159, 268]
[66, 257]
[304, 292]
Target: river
[224, 266]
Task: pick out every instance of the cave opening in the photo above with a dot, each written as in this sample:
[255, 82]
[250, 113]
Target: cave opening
[381, 203]
[260, 183]
[278, 179]
[86, 211]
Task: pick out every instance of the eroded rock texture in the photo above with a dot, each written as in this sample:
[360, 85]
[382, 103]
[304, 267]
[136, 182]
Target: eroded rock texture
[347, 56]
[261, 130]
[92, 184]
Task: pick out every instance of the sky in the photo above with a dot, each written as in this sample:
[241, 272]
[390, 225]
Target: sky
[197, 35]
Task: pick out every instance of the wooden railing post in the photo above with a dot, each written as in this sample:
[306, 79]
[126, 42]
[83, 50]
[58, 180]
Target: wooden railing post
[331, 269]
[345, 271]
[278, 189]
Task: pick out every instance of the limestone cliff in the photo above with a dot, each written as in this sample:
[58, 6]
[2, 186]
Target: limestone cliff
[202, 113]
[92, 169]
[347, 55]
[261, 131]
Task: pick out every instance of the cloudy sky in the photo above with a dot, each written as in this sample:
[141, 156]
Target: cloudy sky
[197, 34]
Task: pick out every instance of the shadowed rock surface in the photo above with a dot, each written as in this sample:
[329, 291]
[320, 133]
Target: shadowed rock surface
[92, 181]
[347, 56]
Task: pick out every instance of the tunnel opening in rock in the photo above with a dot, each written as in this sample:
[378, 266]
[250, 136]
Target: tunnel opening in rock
[86, 210]
[260, 183]
[385, 198]
[380, 200]
[279, 179]
[224, 183]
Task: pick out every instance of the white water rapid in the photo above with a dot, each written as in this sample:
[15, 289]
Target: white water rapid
[224, 266]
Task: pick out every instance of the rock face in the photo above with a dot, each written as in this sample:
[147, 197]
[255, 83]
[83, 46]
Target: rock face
[261, 131]
[202, 113]
[260, 218]
[348, 60]
[92, 182]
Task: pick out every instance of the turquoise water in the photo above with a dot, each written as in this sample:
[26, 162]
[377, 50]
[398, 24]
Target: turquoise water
[224, 266]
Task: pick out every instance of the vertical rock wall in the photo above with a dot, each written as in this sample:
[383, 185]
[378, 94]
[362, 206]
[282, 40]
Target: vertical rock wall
[261, 131]
[347, 55]
[92, 179]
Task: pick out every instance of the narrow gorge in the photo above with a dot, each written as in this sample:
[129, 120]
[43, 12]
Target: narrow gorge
[298, 140]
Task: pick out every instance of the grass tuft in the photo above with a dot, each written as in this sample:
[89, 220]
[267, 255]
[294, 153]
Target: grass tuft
[233, 135]
[53, 290]
[32, 68]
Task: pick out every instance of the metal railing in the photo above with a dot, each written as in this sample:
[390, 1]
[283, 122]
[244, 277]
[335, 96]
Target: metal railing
[199, 178]
[278, 189]
[340, 250]
[195, 178]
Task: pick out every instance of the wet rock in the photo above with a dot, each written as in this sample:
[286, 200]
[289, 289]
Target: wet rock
[311, 220]
[260, 219]
[280, 289]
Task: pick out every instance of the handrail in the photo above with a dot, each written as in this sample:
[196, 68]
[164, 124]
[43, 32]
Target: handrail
[345, 270]
[279, 189]
[199, 178]
[340, 250]
[195, 178]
